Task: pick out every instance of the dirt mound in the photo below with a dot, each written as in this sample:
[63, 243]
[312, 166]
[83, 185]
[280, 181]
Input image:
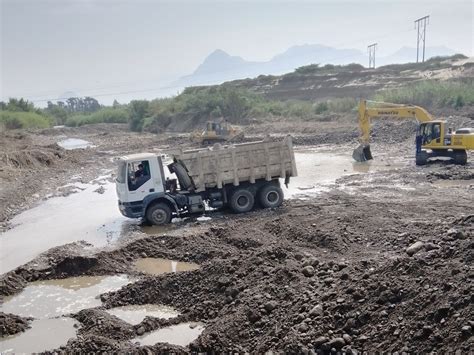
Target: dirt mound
[12, 324]
[30, 158]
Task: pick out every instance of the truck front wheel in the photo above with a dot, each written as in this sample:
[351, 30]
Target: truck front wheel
[241, 201]
[158, 213]
[270, 196]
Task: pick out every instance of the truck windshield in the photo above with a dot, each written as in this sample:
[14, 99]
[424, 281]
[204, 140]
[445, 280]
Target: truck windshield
[122, 172]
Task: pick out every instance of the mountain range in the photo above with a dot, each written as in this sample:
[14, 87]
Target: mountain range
[220, 66]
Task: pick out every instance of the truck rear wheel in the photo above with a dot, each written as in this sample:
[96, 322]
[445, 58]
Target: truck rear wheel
[158, 213]
[270, 196]
[241, 201]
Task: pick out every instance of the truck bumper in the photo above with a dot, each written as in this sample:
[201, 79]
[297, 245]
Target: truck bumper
[131, 209]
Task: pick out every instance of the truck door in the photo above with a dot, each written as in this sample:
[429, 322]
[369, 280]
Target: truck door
[144, 178]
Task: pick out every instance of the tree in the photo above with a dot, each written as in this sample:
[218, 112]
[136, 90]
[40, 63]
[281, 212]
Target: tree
[138, 111]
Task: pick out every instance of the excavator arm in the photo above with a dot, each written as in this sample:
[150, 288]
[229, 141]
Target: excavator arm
[382, 109]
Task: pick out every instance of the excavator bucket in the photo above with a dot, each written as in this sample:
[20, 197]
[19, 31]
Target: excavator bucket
[362, 153]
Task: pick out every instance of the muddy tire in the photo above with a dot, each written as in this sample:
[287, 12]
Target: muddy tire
[241, 201]
[158, 214]
[460, 157]
[270, 196]
[421, 158]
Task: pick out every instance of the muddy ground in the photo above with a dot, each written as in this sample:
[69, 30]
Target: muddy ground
[381, 262]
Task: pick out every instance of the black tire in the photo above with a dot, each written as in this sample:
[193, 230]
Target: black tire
[241, 201]
[460, 157]
[421, 158]
[184, 180]
[158, 214]
[270, 196]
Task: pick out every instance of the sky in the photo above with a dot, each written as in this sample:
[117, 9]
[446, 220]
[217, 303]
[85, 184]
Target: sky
[129, 49]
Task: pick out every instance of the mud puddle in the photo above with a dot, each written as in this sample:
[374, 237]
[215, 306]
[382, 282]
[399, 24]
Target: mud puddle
[181, 334]
[157, 266]
[135, 314]
[467, 184]
[53, 298]
[85, 215]
[74, 143]
[318, 170]
[44, 334]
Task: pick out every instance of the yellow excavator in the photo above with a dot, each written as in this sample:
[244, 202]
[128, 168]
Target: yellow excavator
[433, 138]
[217, 132]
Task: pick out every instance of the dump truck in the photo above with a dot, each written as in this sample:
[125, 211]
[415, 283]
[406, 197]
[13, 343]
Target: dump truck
[176, 182]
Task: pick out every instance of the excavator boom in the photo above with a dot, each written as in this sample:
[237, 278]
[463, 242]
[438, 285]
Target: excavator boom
[382, 109]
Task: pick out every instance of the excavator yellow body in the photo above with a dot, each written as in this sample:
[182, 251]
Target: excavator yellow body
[217, 132]
[433, 138]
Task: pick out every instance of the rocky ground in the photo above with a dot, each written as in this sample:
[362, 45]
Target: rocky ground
[381, 262]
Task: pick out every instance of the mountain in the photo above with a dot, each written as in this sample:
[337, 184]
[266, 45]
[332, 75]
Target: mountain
[220, 66]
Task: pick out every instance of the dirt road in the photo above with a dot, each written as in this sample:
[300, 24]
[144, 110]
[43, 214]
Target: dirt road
[380, 260]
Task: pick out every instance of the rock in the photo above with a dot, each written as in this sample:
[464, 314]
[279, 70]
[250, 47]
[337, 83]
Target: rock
[337, 343]
[340, 300]
[320, 341]
[308, 271]
[317, 310]
[414, 248]
[347, 338]
[271, 305]
[224, 281]
[466, 330]
[303, 328]
[431, 246]
[141, 331]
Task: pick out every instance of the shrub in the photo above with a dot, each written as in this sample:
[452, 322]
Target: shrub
[105, 115]
[25, 120]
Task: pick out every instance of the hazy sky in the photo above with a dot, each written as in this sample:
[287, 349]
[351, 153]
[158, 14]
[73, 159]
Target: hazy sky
[97, 47]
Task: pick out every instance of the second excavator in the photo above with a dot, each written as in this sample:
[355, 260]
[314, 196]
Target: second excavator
[433, 137]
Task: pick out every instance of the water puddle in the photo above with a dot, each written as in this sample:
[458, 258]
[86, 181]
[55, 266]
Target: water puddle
[85, 215]
[44, 334]
[53, 298]
[157, 266]
[74, 143]
[181, 334]
[135, 314]
[318, 170]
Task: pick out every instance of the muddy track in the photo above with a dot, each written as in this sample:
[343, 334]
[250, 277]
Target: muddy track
[317, 275]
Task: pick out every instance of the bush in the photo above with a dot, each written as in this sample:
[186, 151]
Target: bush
[23, 120]
[431, 93]
[105, 115]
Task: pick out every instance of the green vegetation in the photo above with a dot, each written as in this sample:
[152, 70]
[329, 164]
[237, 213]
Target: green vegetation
[431, 93]
[328, 68]
[105, 115]
[23, 120]
[430, 64]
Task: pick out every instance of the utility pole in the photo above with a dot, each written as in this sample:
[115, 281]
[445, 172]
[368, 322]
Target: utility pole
[420, 26]
[371, 49]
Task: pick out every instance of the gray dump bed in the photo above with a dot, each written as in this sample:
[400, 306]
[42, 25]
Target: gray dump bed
[234, 164]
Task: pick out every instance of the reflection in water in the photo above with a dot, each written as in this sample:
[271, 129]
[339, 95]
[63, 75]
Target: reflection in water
[134, 314]
[52, 298]
[157, 266]
[86, 215]
[44, 334]
[181, 334]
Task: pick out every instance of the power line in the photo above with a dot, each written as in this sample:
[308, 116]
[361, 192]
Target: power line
[420, 26]
[371, 49]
